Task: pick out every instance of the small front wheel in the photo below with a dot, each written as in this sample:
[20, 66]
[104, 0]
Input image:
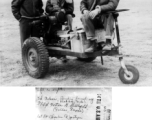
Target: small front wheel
[35, 57]
[133, 76]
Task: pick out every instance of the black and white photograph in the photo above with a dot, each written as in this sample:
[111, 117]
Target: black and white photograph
[75, 59]
[75, 42]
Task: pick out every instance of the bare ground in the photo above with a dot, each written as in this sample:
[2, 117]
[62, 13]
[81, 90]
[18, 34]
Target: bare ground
[135, 32]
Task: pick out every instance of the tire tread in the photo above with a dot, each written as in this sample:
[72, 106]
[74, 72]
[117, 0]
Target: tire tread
[43, 54]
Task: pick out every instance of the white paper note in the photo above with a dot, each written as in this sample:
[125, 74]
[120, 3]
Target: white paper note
[69, 104]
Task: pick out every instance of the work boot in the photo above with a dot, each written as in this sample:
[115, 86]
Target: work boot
[91, 47]
[108, 45]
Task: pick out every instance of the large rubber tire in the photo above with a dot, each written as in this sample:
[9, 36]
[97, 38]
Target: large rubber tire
[90, 59]
[35, 57]
[134, 75]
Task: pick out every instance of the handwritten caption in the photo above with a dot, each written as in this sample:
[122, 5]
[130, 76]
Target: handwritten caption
[62, 107]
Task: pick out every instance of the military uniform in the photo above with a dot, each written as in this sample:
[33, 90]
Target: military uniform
[106, 5]
[95, 19]
[66, 6]
[27, 8]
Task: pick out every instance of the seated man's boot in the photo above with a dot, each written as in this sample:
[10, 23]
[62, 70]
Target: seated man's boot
[107, 45]
[91, 47]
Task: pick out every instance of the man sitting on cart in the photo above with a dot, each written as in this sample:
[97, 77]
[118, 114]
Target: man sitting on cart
[61, 11]
[94, 18]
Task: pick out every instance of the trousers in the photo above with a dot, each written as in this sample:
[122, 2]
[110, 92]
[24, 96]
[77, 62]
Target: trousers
[102, 21]
[27, 30]
[67, 17]
[69, 20]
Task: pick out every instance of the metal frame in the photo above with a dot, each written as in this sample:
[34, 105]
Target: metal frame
[116, 51]
[122, 63]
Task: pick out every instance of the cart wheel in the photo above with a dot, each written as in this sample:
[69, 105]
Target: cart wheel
[35, 57]
[90, 59]
[133, 75]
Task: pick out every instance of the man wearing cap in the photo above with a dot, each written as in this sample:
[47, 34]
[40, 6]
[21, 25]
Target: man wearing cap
[90, 9]
[56, 7]
[26, 8]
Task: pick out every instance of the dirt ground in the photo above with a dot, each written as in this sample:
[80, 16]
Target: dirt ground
[136, 36]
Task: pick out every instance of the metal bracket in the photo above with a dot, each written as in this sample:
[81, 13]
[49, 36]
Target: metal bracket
[124, 66]
[120, 49]
[101, 60]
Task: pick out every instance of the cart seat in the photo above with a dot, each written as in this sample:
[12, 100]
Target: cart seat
[118, 10]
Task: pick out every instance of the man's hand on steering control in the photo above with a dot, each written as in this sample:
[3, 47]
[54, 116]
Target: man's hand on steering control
[95, 12]
[86, 12]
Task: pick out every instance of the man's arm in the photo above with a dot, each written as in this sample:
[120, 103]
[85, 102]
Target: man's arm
[83, 5]
[49, 7]
[112, 5]
[16, 5]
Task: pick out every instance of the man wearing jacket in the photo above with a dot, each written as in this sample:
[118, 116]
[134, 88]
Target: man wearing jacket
[64, 6]
[90, 10]
[26, 8]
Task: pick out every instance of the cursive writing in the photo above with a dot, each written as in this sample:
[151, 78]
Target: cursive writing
[54, 117]
[70, 117]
